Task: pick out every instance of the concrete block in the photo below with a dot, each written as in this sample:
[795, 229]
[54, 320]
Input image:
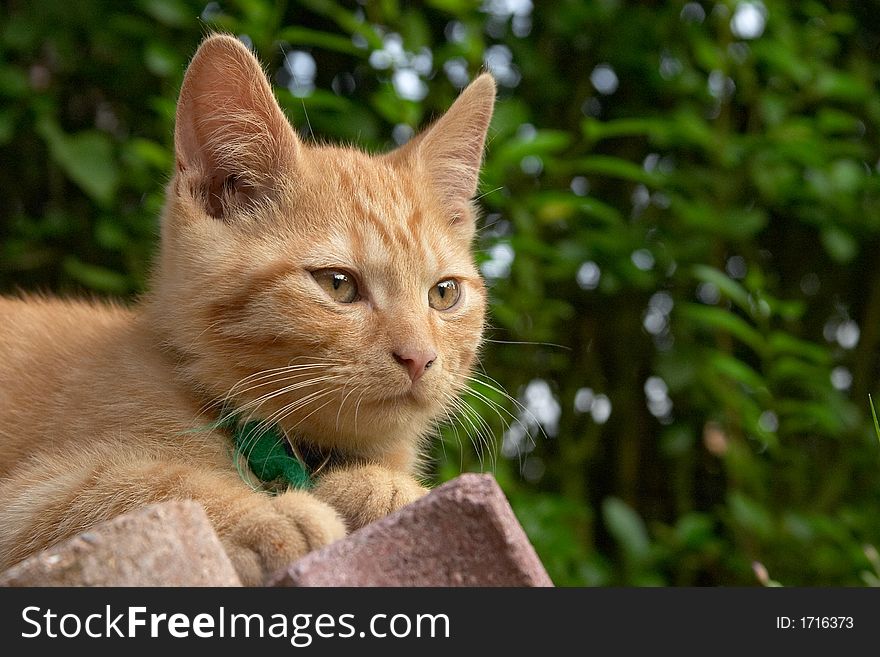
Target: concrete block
[168, 544]
[463, 533]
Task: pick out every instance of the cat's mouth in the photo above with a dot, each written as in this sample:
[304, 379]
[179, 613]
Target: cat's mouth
[412, 393]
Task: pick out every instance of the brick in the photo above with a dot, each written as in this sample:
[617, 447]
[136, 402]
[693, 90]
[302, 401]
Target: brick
[463, 533]
[168, 544]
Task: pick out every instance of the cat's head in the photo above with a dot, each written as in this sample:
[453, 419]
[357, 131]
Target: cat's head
[320, 287]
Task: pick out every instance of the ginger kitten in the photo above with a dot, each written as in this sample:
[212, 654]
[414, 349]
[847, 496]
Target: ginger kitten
[317, 289]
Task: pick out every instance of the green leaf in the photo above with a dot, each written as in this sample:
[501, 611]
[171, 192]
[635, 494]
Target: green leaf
[86, 157]
[728, 287]
[319, 100]
[626, 527]
[604, 212]
[169, 12]
[719, 319]
[162, 60]
[346, 19]
[846, 176]
[838, 85]
[795, 370]
[454, 7]
[733, 223]
[839, 244]
[302, 36]
[782, 60]
[750, 515]
[96, 277]
[707, 52]
[693, 530]
[614, 167]
[784, 343]
[595, 130]
[415, 29]
[836, 122]
[813, 417]
[149, 153]
[557, 205]
[110, 235]
[542, 143]
[725, 365]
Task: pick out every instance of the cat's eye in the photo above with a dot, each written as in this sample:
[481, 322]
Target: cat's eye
[444, 295]
[339, 285]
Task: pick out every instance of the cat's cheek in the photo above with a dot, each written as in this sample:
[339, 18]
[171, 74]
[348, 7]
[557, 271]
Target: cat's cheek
[468, 357]
[467, 338]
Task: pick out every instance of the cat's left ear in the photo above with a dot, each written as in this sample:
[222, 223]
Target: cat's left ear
[451, 150]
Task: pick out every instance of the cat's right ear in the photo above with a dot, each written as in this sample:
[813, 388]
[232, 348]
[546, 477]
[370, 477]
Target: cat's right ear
[231, 137]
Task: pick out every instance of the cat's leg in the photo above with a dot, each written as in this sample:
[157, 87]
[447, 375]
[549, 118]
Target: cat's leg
[55, 498]
[364, 493]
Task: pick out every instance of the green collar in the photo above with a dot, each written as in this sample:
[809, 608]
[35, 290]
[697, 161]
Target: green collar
[269, 454]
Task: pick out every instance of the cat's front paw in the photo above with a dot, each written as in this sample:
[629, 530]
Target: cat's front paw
[364, 493]
[278, 531]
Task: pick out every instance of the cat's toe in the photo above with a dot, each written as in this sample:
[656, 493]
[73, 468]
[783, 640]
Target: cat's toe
[317, 522]
[246, 561]
[363, 494]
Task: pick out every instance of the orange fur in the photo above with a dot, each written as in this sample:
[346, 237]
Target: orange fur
[103, 408]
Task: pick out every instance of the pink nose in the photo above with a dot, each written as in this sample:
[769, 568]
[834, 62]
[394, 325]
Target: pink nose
[415, 361]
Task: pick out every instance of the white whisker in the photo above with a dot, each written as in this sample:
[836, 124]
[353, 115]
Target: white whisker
[342, 403]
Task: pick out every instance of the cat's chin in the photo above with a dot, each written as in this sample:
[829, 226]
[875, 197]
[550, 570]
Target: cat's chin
[414, 400]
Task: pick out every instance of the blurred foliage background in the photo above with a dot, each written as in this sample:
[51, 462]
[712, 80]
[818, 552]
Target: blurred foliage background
[681, 221]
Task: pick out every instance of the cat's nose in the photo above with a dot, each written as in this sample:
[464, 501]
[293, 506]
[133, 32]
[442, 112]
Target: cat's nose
[415, 361]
